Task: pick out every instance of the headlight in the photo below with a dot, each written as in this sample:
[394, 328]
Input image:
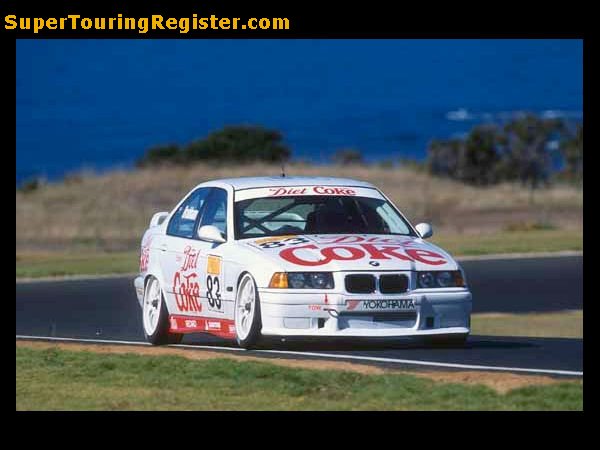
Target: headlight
[440, 279]
[426, 280]
[302, 280]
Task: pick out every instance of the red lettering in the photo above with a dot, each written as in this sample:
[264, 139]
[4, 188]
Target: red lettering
[277, 191]
[419, 255]
[191, 259]
[333, 190]
[187, 292]
[289, 191]
[344, 239]
[350, 253]
[144, 259]
[384, 252]
[289, 255]
[333, 253]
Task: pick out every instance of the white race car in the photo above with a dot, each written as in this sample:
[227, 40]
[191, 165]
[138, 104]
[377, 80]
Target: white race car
[296, 257]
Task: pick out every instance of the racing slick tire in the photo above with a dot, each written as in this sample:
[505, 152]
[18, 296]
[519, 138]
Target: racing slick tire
[155, 316]
[247, 315]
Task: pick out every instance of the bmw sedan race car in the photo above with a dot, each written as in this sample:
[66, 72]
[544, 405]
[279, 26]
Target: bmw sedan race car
[299, 257]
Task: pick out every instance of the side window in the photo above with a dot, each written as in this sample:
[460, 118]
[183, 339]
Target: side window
[215, 212]
[183, 221]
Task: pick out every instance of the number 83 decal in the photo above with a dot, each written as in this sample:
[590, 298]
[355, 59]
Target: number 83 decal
[213, 291]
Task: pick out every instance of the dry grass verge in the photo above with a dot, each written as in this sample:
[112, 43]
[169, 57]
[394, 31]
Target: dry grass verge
[109, 212]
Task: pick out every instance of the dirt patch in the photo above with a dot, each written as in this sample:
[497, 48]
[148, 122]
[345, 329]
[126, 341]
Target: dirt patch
[501, 382]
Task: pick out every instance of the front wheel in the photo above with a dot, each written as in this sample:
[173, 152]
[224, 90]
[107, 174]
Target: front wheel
[155, 316]
[247, 313]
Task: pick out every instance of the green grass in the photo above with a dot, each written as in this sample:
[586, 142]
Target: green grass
[59, 264]
[566, 324]
[543, 240]
[98, 263]
[55, 379]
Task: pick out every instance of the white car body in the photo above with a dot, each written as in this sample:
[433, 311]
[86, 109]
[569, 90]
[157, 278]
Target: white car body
[199, 279]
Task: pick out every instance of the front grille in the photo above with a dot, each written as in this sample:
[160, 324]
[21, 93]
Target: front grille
[393, 284]
[395, 316]
[360, 284]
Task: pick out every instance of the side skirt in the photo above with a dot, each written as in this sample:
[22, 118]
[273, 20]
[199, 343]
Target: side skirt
[224, 328]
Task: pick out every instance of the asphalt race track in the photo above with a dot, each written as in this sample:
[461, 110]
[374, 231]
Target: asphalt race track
[107, 309]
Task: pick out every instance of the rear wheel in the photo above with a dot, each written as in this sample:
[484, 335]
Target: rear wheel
[247, 313]
[155, 316]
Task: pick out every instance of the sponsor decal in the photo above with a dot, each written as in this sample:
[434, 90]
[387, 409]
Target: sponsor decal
[315, 307]
[213, 325]
[279, 242]
[311, 190]
[191, 259]
[356, 239]
[213, 292]
[145, 254]
[213, 265]
[273, 239]
[187, 292]
[403, 304]
[283, 191]
[185, 324]
[352, 304]
[189, 213]
[325, 255]
[185, 282]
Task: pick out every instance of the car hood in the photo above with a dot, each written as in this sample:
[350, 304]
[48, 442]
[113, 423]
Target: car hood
[364, 252]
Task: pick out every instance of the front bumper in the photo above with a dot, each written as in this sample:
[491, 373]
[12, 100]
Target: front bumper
[435, 313]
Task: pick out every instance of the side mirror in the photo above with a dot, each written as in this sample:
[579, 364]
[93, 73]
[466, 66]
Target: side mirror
[210, 233]
[158, 218]
[425, 230]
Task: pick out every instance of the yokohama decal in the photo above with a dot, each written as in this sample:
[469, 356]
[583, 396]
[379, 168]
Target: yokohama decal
[224, 328]
[355, 252]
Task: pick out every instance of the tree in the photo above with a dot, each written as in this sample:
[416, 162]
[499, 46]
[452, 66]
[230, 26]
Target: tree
[490, 154]
[478, 159]
[572, 150]
[348, 156]
[526, 140]
[236, 144]
[239, 143]
[160, 154]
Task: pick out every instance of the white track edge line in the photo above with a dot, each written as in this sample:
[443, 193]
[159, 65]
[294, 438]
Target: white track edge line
[325, 355]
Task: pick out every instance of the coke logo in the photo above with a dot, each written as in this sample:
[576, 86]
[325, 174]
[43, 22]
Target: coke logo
[190, 259]
[144, 259]
[352, 253]
[187, 292]
[318, 190]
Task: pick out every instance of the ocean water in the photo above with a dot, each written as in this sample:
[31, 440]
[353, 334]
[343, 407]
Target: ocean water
[101, 103]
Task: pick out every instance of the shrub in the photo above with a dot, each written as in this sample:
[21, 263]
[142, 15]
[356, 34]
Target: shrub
[160, 154]
[238, 143]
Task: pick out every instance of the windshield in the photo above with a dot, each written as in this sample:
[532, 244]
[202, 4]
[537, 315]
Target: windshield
[276, 216]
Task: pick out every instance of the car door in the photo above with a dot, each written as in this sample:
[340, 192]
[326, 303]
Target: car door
[180, 253]
[212, 267]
